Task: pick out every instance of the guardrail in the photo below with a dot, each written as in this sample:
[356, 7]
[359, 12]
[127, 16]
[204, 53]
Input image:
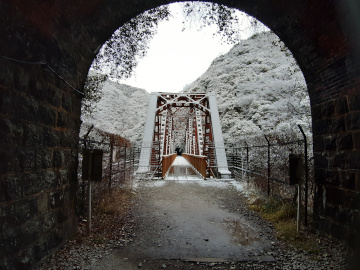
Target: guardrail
[166, 163]
[198, 162]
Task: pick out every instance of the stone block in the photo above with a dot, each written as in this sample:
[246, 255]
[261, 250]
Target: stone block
[63, 177]
[73, 123]
[353, 200]
[4, 217]
[338, 231]
[334, 195]
[56, 198]
[345, 216]
[356, 224]
[353, 160]
[69, 140]
[9, 242]
[25, 159]
[22, 211]
[43, 202]
[320, 160]
[348, 179]
[331, 211]
[62, 214]
[328, 109]
[3, 193]
[43, 158]
[316, 112]
[7, 104]
[36, 90]
[54, 96]
[51, 137]
[320, 175]
[28, 108]
[353, 240]
[318, 143]
[11, 131]
[58, 158]
[13, 187]
[30, 231]
[341, 106]
[7, 160]
[345, 141]
[337, 124]
[354, 101]
[321, 127]
[33, 135]
[49, 221]
[353, 121]
[356, 140]
[47, 115]
[25, 259]
[66, 102]
[61, 119]
[322, 225]
[332, 177]
[329, 142]
[37, 182]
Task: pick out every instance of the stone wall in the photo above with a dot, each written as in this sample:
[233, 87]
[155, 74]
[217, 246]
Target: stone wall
[40, 113]
[38, 165]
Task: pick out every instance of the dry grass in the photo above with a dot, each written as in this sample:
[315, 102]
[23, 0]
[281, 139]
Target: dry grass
[110, 212]
[282, 215]
[115, 202]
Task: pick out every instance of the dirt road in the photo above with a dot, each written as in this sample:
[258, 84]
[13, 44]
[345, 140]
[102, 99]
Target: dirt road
[192, 221]
[194, 224]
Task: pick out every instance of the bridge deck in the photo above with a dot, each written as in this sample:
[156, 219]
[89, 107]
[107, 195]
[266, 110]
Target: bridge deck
[181, 169]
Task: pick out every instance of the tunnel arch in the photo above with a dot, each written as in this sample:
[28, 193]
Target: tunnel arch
[45, 47]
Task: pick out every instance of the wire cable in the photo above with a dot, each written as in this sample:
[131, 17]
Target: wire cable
[47, 66]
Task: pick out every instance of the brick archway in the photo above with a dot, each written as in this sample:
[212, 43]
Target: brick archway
[40, 113]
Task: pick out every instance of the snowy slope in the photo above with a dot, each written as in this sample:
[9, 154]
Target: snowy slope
[259, 88]
[121, 110]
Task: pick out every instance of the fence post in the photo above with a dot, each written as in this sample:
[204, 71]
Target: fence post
[268, 182]
[110, 161]
[306, 174]
[247, 162]
[124, 174]
[88, 227]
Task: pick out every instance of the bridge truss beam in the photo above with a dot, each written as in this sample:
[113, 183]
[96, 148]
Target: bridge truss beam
[187, 120]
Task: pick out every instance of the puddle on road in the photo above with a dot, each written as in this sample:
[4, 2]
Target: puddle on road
[178, 170]
[241, 233]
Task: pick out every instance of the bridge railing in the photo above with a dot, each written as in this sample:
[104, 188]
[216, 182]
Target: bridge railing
[166, 163]
[198, 162]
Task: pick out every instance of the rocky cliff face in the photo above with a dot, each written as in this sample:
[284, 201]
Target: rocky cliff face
[259, 87]
[122, 110]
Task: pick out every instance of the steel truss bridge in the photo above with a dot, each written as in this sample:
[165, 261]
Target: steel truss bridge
[187, 123]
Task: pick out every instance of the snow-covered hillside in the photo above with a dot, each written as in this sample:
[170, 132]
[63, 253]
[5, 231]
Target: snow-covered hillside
[259, 88]
[121, 110]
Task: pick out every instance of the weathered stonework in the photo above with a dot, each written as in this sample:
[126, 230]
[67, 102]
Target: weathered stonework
[40, 113]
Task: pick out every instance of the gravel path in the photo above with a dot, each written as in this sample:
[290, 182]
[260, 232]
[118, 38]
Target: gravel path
[194, 225]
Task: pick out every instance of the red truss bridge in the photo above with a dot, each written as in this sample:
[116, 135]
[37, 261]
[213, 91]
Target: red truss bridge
[186, 124]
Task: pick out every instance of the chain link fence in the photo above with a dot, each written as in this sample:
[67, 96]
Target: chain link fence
[119, 162]
[263, 163]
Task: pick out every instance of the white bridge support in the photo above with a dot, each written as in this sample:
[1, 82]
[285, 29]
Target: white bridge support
[146, 147]
[218, 138]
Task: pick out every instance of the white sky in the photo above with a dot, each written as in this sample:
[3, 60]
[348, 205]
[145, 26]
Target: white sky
[176, 58]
